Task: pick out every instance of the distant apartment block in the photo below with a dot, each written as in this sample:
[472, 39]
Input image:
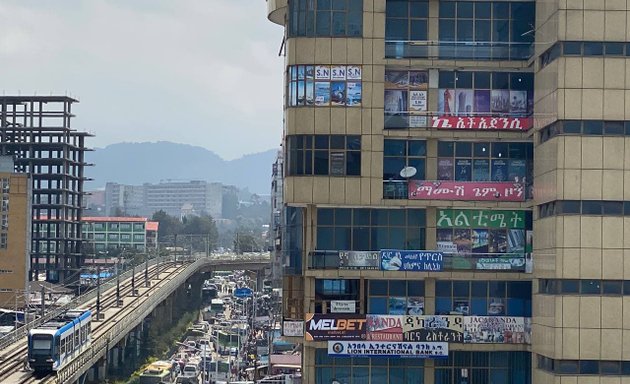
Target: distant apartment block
[130, 233]
[35, 132]
[15, 229]
[175, 198]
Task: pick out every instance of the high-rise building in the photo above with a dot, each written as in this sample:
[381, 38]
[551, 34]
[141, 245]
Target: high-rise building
[36, 132]
[277, 209]
[15, 230]
[176, 198]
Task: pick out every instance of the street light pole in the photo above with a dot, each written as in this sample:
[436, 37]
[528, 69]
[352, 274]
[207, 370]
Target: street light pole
[133, 281]
[98, 293]
[146, 270]
[118, 283]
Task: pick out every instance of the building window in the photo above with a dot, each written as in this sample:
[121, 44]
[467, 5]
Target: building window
[5, 222]
[403, 160]
[332, 155]
[99, 236]
[138, 226]
[337, 289]
[406, 20]
[484, 298]
[365, 229]
[485, 161]
[5, 203]
[5, 185]
[125, 227]
[112, 237]
[113, 226]
[3, 241]
[396, 297]
[125, 237]
[484, 367]
[138, 237]
[406, 98]
[324, 85]
[325, 18]
[365, 370]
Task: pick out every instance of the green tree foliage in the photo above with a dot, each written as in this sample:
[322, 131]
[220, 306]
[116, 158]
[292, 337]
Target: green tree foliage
[194, 231]
[245, 241]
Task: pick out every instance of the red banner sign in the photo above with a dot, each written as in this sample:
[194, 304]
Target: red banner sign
[464, 190]
[488, 122]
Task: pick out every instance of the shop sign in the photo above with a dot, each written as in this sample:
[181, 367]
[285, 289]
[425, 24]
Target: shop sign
[402, 260]
[421, 350]
[464, 190]
[334, 327]
[358, 260]
[490, 123]
[497, 329]
[293, 328]
[501, 263]
[384, 327]
[343, 306]
[434, 328]
[480, 218]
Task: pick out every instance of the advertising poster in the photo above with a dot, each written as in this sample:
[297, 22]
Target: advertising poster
[420, 350]
[518, 102]
[397, 305]
[419, 79]
[517, 170]
[395, 102]
[462, 237]
[457, 190]
[403, 260]
[293, 94]
[480, 218]
[358, 260]
[500, 101]
[332, 326]
[338, 93]
[505, 263]
[448, 329]
[322, 72]
[338, 72]
[293, 72]
[310, 90]
[465, 99]
[516, 241]
[415, 305]
[343, 306]
[301, 93]
[310, 72]
[482, 123]
[418, 101]
[482, 101]
[461, 306]
[322, 93]
[293, 328]
[446, 102]
[479, 240]
[499, 170]
[418, 121]
[354, 94]
[301, 71]
[384, 327]
[445, 168]
[396, 79]
[353, 72]
[497, 241]
[497, 329]
[481, 170]
[463, 169]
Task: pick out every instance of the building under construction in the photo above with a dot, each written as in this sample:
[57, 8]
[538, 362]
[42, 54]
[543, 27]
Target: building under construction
[36, 132]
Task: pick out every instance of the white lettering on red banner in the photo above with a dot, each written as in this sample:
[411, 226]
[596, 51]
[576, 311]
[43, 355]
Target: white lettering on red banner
[461, 122]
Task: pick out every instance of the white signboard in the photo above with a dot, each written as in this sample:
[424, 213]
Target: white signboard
[293, 328]
[342, 306]
[420, 350]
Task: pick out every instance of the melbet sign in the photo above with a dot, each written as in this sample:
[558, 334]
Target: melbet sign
[334, 327]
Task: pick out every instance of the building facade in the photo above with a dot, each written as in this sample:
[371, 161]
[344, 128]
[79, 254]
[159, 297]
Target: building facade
[277, 210]
[15, 231]
[129, 233]
[175, 198]
[36, 132]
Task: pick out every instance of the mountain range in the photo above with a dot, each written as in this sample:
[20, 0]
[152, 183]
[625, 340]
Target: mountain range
[138, 163]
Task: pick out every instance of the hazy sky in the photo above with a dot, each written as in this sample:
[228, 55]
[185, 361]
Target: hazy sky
[202, 72]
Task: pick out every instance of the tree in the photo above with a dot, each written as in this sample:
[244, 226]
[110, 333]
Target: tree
[245, 242]
[169, 225]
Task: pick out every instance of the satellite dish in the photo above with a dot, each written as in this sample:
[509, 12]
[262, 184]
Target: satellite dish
[408, 172]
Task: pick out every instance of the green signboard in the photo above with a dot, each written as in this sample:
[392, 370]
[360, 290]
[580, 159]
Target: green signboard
[480, 218]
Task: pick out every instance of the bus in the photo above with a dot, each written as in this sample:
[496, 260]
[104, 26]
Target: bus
[216, 305]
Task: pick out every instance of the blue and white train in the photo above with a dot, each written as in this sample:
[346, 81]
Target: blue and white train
[56, 342]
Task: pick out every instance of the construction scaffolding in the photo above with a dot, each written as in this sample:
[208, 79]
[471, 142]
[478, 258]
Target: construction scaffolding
[36, 132]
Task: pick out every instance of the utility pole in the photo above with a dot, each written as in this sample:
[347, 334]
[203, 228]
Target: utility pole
[118, 302]
[98, 293]
[43, 308]
[133, 281]
[146, 270]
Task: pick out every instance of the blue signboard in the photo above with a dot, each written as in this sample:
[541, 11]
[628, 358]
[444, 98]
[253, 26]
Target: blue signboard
[401, 260]
[243, 292]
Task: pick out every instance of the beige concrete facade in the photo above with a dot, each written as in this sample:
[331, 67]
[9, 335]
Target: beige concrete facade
[14, 259]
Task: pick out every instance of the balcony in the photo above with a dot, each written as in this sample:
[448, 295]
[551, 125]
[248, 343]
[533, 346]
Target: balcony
[458, 50]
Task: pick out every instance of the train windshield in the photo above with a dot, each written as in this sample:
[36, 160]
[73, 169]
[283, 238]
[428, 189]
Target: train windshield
[41, 344]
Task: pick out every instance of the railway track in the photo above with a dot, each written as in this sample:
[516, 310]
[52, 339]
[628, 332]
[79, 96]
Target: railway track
[12, 359]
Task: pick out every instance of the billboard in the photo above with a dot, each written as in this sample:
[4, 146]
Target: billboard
[497, 329]
[480, 218]
[358, 260]
[403, 260]
[463, 190]
[388, 349]
[293, 328]
[433, 328]
[482, 123]
[343, 306]
[384, 327]
[334, 327]
[324, 85]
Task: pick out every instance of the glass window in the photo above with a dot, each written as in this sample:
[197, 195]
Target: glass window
[327, 156]
[336, 18]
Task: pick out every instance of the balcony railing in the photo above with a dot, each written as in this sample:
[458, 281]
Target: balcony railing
[458, 50]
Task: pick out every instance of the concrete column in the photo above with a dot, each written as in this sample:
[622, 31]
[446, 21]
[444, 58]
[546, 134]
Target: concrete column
[91, 374]
[101, 366]
[115, 357]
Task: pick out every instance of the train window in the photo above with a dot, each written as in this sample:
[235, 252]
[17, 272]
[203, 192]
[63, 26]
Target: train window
[77, 342]
[62, 348]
